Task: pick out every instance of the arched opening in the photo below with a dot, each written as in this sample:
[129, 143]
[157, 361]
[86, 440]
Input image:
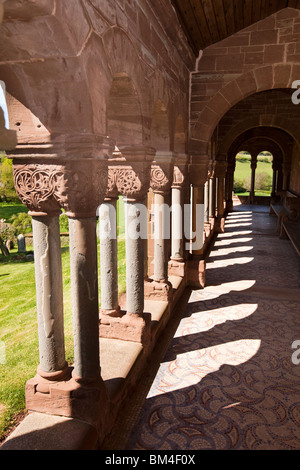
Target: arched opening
[264, 174]
[242, 174]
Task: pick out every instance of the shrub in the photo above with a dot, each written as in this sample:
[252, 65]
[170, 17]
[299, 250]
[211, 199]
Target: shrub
[7, 231]
[263, 181]
[239, 186]
[64, 223]
[22, 222]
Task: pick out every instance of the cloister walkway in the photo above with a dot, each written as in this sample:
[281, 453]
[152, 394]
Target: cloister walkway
[228, 378]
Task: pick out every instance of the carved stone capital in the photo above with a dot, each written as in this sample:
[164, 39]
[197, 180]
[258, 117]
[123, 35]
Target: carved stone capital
[130, 181]
[129, 173]
[68, 171]
[82, 187]
[161, 178]
[35, 184]
[179, 176]
[77, 186]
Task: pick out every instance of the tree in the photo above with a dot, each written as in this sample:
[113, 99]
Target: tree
[7, 189]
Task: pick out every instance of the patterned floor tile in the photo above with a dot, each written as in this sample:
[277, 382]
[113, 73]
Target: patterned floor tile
[227, 380]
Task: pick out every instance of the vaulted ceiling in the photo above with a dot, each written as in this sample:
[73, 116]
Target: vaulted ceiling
[206, 22]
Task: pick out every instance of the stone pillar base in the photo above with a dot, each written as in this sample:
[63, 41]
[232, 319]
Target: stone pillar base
[196, 273]
[176, 268]
[220, 224]
[158, 290]
[127, 327]
[72, 397]
[207, 230]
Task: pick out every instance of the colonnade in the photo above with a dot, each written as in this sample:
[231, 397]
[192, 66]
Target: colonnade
[280, 178]
[80, 186]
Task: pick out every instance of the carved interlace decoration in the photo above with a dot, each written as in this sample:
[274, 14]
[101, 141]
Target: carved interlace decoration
[129, 182]
[78, 187]
[36, 187]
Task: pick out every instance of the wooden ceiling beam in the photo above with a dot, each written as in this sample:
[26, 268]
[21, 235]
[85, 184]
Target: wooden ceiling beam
[207, 22]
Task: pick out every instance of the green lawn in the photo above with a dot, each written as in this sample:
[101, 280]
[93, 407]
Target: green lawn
[243, 174]
[19, 354]
[10, 208]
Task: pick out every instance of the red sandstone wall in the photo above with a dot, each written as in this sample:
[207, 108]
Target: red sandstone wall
[263, 56]
[59, 60]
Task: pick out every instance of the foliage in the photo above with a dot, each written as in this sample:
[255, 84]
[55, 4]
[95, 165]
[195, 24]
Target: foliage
[22, 223]
[263, 174]
[263, 181]
[7, 231]
[239, 186]
[7, 189]
[64, 223]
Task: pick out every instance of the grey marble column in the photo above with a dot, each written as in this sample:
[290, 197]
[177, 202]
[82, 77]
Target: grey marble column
[49, 293]
[84, 288]
[160, 218]
[136, 227]
[177, 225]
[212, 197]
[206, 202]
[109, 257]
[198, 219]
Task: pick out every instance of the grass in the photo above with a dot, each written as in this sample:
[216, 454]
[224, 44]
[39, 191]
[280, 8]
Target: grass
[7, 210]
[243, 173]
[19, 351]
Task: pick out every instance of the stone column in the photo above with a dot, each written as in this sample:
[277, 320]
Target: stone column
[220, 172]
[206, 202]
[198, 173]
[177, 228]
[177, 265]
[212, 198]
[198, 219]
[84, 288]
[82, 191]
[129, 172]
[77, 183]
[49, 295]
[160, 219]
[136, 224]
[109, 258]
[229, 186]
[161, 178]
[253, 169]
[274, 180]
[32, 182]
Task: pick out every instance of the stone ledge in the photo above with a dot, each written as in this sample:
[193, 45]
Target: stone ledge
[121, 362]
[40, 431]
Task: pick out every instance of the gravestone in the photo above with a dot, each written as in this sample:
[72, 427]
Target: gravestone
[21, 243]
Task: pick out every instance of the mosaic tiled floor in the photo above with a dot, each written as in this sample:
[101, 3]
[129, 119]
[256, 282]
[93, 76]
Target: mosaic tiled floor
[228, 380]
